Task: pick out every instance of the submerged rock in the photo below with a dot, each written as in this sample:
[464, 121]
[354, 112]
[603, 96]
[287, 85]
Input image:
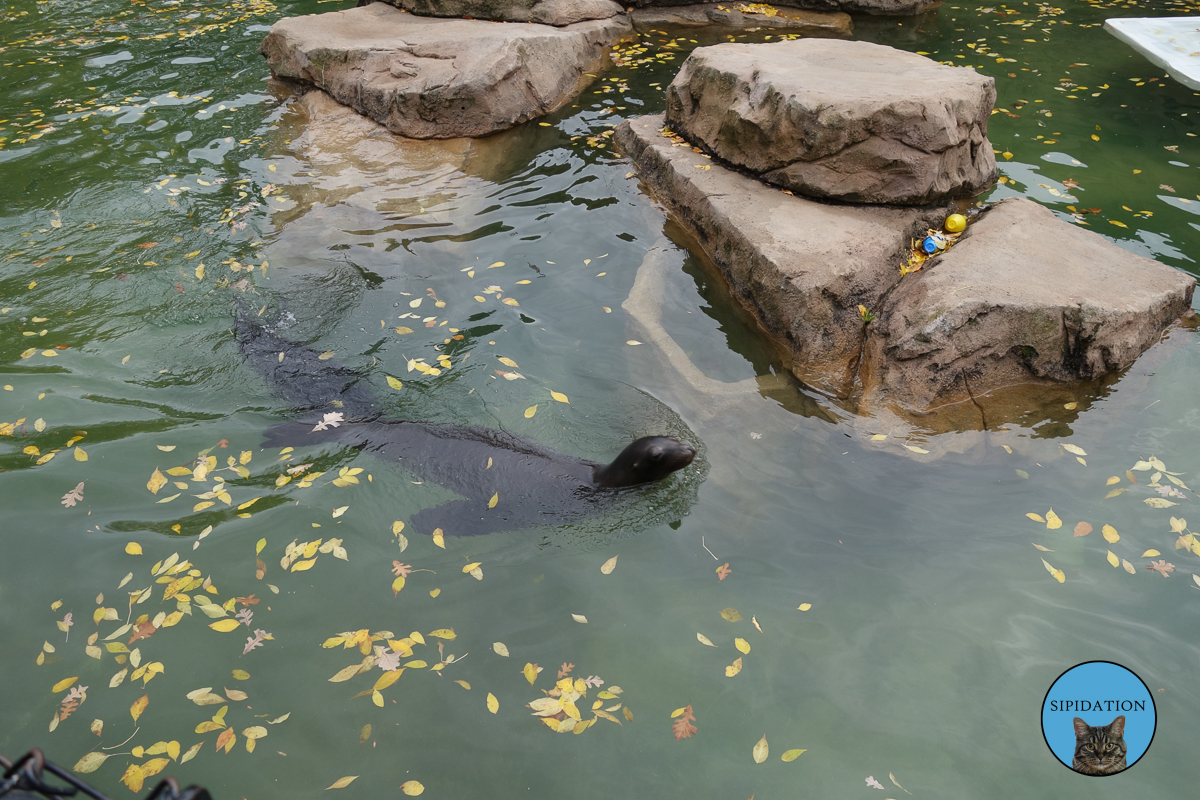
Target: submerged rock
[547, 12]
[850, 121]
[832, 23]
[431, 78]
[1022, 298]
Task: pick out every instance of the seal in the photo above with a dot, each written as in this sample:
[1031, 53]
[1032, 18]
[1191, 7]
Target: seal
[507, 481]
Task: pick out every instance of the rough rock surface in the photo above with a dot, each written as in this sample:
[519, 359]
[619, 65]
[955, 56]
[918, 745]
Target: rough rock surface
[803, 267]
[852, 121]
[1023, 297]
[547, 12]
[430, 78]
[814, 22]
[885, 7]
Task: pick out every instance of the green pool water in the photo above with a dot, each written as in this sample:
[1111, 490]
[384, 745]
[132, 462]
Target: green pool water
[141, 140]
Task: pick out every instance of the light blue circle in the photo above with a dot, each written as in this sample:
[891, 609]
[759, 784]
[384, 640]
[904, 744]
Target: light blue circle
[1098, 692]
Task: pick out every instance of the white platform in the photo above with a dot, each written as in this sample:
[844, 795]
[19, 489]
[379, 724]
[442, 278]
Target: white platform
[1172, 43]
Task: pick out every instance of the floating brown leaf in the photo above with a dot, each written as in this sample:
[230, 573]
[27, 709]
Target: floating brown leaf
[682, 727]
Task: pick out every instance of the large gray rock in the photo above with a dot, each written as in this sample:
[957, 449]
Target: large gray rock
[812, 22]
[1023, 297]
[430, 78]
[803, 267]
[885, 7]
[547, 12]
[852, 121]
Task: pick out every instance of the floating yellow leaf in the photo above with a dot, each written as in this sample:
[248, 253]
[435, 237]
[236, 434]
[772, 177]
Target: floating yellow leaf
[508, 362]
[1112, 559]
[438, 538]
[394, 383]
[1035, 517]
[1151, 554]
[413, 788]
[731, 614]
[1128, 567]
[760, 751]
[89, 763]
[342, 783]
[733, 669]
[559, 396]
[742, 645]
[580, 618]
[491, 504]
[337, 512]
[791, 755]
[1159, 502]
[397, 585]
[1058, 574]
[1043, 549]
[133, 549]
[1052, 520]
[1110, 535]
[225, 625]
[529, 412]
[156, 482]
[500, 648]
[63, 685]
[80, 455]
[346, 674]
[1074, 450]
[493, 705]
[1112, 480]
[139, 706]
[700, 637]
[805, 606]
[530, 672]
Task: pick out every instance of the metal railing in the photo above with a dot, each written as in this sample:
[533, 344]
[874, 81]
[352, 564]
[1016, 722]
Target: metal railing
[25, 779]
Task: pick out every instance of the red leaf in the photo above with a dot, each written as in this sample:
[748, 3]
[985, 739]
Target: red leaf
[683, 726]
[723, 571]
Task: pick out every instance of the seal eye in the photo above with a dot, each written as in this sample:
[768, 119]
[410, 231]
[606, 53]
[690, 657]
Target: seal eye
[655, 453]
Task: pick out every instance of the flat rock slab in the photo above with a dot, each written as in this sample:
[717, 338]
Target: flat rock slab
[850, 121]
[546, 12]
[1023, 297]
[832, 23]
[884, 7]
[433, 78]
[802, 266]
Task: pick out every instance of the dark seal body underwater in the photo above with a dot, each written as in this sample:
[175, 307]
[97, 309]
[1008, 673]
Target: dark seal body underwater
[534, 484]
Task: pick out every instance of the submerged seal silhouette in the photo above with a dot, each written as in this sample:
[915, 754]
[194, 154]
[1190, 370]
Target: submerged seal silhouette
[534, 484]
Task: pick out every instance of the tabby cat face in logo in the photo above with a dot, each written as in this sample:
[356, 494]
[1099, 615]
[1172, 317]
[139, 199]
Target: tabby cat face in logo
[1099, 750]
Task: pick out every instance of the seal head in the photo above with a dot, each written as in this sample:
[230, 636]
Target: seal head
[648, 459]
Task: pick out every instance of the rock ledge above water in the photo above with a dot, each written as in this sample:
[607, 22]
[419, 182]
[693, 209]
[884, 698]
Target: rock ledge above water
[435, 78]
[850, 121]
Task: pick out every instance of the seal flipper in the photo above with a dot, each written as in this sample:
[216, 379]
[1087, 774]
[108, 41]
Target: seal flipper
[466, 518]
